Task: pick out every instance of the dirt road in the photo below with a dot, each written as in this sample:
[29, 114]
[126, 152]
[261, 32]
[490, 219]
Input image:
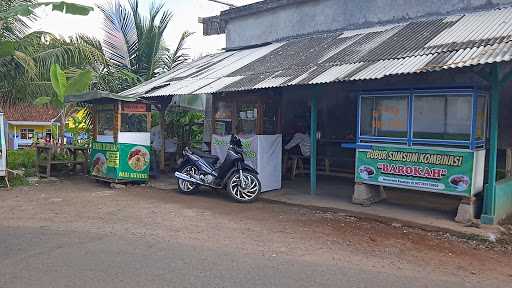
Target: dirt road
[77, 233]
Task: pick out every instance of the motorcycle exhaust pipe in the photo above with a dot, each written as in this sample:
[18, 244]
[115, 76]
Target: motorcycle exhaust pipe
[187, 178]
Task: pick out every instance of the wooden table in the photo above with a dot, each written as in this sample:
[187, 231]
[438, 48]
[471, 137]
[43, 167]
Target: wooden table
[50, 150]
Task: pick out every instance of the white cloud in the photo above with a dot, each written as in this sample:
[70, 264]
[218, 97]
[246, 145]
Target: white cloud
[186, 14]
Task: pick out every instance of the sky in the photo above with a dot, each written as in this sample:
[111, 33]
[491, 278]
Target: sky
[186, 14]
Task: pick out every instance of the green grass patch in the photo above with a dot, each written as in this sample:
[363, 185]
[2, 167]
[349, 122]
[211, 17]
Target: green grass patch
[14, 181]
[23, 160]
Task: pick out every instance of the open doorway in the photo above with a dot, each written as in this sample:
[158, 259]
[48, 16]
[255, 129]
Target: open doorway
[336, 126]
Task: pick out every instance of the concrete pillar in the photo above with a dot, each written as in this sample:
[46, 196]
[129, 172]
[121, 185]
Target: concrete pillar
[489, 211]
[466, 210]
[366, 194]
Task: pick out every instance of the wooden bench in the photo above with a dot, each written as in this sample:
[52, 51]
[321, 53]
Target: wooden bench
[49, 152]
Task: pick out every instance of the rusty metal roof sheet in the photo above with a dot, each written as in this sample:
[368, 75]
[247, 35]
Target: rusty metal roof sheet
[373, 53]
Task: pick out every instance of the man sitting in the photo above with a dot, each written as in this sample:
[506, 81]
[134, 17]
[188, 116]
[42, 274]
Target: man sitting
[300, 144]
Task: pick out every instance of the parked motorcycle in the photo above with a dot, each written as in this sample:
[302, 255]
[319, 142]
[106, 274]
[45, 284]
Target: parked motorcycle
[233, 174]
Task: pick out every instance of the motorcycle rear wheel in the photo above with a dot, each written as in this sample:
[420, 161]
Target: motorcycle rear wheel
[247, 194]
[186, 187]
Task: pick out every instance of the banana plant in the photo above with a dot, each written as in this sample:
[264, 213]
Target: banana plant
[26, 57]
[64, 87]
[27, 9]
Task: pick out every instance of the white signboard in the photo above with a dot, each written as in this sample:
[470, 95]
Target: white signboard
[3, 151]
[262, 152]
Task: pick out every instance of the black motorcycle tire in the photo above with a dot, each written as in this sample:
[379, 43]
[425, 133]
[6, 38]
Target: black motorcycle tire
[195, 187]
[231, 193]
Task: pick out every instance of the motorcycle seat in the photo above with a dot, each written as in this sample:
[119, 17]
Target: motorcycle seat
[212, 159]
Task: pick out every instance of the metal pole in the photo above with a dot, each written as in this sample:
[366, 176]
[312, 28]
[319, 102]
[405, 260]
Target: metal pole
[313, 132]
[489, 212]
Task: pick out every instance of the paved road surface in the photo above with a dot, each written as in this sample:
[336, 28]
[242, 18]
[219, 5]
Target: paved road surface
[84, 235]
[48, 258]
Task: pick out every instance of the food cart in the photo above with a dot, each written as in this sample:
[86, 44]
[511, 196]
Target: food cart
[428, 140]
[255, 119]
[120, 150]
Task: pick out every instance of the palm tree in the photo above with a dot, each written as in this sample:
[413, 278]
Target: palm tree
[134, 41]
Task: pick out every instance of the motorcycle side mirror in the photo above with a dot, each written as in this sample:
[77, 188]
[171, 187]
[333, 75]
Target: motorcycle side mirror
[235, 141]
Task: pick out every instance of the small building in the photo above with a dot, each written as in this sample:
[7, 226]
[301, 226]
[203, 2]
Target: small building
[405, 97]
[28, 123]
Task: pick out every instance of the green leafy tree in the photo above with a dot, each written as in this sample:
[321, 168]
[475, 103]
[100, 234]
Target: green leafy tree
[25, 58]
[63, 87]
[186, 126]
[135, 41]
[79, 124]
[107, 76]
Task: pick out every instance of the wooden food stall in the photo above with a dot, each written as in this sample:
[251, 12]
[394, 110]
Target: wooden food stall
[120, 150]
[256, 120]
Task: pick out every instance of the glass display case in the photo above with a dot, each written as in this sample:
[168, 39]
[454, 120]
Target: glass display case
[430, 140]
[105, 122]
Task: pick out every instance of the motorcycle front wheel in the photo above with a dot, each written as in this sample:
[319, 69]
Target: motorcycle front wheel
[244, 189]
[186, 187]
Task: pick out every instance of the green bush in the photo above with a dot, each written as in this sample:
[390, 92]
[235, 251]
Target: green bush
[186, 126]
[22, 159]
[14, 181]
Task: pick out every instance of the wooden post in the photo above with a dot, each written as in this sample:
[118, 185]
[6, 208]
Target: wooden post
[94, 123]
[259, 116]
[117, 121]
[208, 120]
[164, 104]
[85, 165]
[234, 118]
[75, 165]
[49, 163]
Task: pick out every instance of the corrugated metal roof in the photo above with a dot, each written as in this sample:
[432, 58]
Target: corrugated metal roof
[373, 53]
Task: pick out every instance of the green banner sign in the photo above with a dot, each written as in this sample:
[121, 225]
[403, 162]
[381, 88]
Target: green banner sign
[120, 161]
[444, 171]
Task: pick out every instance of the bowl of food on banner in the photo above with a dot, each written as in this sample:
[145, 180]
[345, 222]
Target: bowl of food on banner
[138, 158]
[366, 172]
[99, 165]
[460, 182]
